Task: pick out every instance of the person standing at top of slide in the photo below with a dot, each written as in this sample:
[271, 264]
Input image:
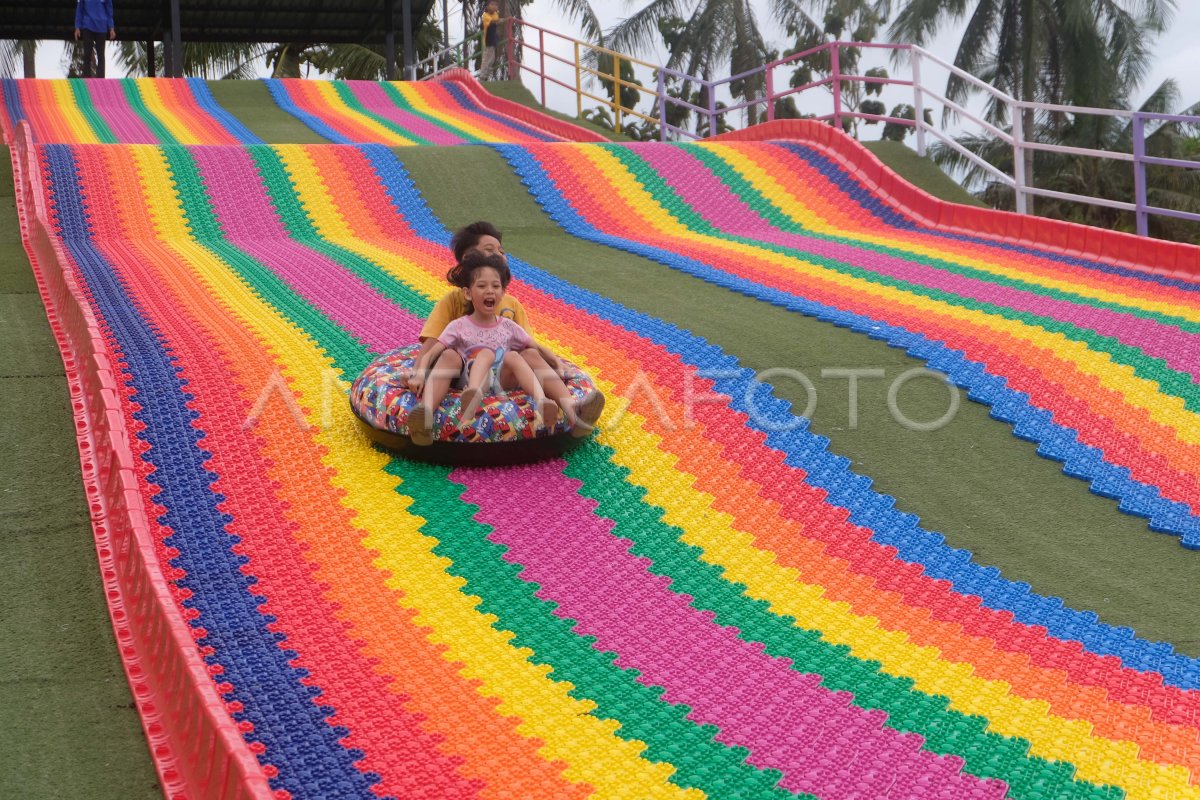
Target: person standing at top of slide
[491, 39]
[93, 25]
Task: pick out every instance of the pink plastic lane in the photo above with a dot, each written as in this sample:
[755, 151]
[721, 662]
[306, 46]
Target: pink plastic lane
[249, 220]
[815, 737]
[376, 100]
[724, 210]
[110, 101]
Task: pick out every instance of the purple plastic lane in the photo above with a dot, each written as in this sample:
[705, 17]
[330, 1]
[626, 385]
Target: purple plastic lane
[110, 101]
[723, 209]
[376, 100]
[819, 742]
[249, 220]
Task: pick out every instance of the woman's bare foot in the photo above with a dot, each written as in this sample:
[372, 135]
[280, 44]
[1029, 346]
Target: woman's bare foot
[569, 414]
[587, 411]
[469, 401]
[420, 426]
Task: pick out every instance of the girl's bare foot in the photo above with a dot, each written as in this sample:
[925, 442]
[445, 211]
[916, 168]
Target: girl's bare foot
[469, 401]
[587, 411]
[419, 426]
[547, 413]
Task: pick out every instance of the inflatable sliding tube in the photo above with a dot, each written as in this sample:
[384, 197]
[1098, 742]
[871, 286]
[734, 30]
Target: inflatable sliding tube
[197, 748]
[1159, 257]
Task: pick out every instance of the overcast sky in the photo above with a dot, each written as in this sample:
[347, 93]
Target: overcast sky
[1178, 50]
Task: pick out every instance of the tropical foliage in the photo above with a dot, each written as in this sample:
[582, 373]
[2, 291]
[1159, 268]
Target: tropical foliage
[841, 20]
[209, 60]
[1113, 179]
[345, 61]
[16, 54]
[707, 38]
[1069, 52]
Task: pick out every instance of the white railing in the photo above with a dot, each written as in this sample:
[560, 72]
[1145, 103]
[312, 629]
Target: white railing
[567, 67]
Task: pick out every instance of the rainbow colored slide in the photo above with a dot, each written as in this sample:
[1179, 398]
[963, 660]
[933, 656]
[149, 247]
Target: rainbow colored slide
[733, 613]
[451, 110]
[119, 111]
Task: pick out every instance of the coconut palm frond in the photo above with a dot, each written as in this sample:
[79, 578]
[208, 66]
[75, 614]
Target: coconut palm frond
[18, 56]
[348, 61]
[920, 20]
[794, 17]
[973, 50]
[581, 12]
[638, 32]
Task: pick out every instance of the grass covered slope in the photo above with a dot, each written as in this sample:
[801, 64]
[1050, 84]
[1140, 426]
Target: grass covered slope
[251, 103]
[517, 92]
[921, 172]
[973, 481]
[68, 726]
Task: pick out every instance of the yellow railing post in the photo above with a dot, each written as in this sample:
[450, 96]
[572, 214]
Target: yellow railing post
[617, 93]
[578, 84]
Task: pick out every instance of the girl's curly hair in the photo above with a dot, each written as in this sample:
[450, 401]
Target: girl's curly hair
[463, 273]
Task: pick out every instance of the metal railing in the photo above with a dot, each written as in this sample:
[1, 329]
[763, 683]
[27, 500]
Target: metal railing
[555, 59]
[444, 59]
[577, 67]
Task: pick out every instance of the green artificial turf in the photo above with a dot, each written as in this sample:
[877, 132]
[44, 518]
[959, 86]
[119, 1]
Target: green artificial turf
[251, 103]
[519, 93]
[68, 727]
[921, 172]
[15, 275]
[973, 480]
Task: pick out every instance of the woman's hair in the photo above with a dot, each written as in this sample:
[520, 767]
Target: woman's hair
[460, 275]
[475, 261]
[467, 237]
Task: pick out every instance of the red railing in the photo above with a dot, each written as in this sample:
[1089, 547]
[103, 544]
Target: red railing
[198, 751]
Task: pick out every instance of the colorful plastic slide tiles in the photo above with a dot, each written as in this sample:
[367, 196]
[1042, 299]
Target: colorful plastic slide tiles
[1098, 365]
[654, 616]
[399, 114]
[119, 111]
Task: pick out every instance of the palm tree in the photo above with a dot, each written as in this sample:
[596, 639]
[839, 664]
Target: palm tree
[579, 11]
[1078, 52]
[211, 60]
[14, 51]
[223, 60]
[724, 35]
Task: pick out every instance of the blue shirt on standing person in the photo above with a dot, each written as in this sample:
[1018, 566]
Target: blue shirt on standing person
[94, 15]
